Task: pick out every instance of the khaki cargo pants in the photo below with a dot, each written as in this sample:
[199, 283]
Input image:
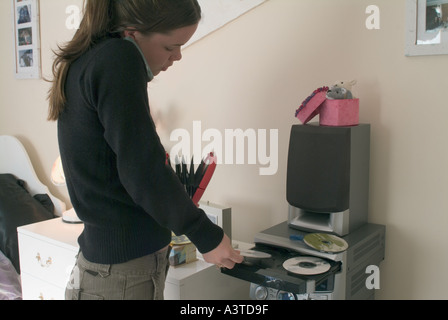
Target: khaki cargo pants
[139, 279]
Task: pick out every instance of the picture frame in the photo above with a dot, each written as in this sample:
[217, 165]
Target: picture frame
[27, 64]
[426, 27]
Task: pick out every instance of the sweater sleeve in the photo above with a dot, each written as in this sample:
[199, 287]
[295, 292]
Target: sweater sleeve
[119, 93]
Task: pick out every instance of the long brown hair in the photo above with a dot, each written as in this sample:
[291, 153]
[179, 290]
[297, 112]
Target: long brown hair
[109, 18]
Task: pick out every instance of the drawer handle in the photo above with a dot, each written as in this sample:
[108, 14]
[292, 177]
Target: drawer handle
[47, 263]
[41, 297]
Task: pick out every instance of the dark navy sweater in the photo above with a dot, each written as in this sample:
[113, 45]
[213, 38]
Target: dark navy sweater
[114, 162]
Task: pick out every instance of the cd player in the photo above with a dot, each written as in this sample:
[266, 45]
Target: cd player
[290, 269]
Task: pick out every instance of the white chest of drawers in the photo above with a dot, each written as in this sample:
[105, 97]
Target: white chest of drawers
[48, 252]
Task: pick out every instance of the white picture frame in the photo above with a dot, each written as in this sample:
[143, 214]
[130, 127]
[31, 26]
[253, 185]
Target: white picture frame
[422, 36]
[27, 64]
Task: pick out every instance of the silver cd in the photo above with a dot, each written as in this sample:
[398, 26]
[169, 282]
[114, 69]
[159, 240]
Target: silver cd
[325, 242]
[306, 265]
[255, 254]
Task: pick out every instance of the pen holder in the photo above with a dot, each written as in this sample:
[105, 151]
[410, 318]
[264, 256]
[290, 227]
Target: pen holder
[195, 181]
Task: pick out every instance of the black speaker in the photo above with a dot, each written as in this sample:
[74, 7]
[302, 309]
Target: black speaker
[328, 177]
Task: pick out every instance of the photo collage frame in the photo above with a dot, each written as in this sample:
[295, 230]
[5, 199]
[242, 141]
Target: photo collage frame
[26, 39]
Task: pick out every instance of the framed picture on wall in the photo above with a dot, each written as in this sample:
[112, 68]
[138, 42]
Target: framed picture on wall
[427, 27]
[26, 39]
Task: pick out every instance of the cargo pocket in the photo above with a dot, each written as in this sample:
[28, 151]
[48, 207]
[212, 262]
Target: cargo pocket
[102, 286]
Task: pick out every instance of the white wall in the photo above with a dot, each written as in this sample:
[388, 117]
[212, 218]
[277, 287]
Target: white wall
[253, 74]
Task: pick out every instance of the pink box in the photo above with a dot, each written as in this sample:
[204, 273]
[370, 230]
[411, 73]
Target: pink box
[312, 107]
[339, 113]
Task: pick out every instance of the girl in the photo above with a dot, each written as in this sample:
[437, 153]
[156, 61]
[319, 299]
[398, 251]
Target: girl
[114, 163]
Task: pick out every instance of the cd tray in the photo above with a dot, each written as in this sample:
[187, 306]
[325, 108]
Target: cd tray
[269, 272]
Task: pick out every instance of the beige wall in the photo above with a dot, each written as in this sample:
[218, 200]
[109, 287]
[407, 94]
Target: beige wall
[254, 73]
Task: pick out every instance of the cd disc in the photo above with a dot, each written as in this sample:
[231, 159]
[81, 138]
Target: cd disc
[254, 254]
[325, 242]
[307, 266]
